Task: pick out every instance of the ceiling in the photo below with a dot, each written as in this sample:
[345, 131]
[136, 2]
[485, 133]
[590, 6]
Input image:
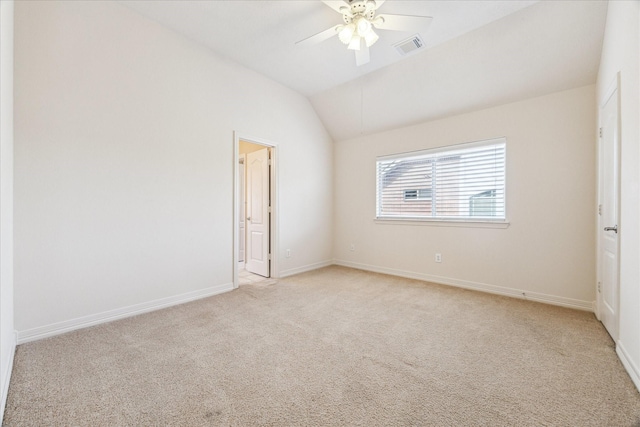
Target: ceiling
[479, 53]
[261, 35]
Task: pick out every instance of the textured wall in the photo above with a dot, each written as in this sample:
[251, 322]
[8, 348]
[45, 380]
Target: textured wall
[548, 249]
[124, 162]
[7, 335]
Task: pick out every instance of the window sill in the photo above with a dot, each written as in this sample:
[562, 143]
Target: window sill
[442, 222]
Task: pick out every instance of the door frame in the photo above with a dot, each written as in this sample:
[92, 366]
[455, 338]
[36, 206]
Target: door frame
[274, 237]
[243, 158]
[614, 87]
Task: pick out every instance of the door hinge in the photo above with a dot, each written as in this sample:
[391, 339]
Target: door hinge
[269, 162]
[269, 257]
[269, 209]
[599, 209]
[599, 287]
[600, 132]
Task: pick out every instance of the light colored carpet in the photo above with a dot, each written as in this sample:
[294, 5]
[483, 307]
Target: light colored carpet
[332, 347]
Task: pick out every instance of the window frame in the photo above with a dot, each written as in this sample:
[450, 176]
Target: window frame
[469, 221]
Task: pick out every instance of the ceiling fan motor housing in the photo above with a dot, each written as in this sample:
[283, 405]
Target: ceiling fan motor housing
[365, 8]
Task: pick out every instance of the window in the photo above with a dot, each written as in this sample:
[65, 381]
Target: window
[461, 182]
[419, 194]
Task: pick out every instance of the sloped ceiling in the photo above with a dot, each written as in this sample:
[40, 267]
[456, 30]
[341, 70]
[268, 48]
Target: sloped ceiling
[548, 47]
[479, 53]
[262, 34]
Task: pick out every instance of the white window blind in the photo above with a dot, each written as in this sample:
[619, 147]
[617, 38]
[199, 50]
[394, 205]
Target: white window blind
[462, 182]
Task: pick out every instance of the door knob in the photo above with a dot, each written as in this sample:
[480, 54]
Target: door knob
[248, 218]
[614, 228]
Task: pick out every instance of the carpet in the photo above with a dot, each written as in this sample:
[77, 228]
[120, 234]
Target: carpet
[332, 347]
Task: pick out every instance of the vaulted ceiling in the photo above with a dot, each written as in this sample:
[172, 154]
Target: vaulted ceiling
[478, 54]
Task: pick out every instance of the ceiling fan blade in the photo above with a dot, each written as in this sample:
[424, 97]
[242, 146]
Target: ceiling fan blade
[402, 22]
[320, 37]
[337, 4]
[362, 55]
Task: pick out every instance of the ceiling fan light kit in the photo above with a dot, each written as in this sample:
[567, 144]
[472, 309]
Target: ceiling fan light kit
[346, 33]
[370, 38]
[354, 43]
[360, 19]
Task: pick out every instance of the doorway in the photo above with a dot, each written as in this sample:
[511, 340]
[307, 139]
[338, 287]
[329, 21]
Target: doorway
[254, 211]
[608, 290]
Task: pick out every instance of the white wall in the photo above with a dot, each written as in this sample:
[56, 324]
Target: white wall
[620, 53]
[7, 335]
[548, 249]
[124, 165]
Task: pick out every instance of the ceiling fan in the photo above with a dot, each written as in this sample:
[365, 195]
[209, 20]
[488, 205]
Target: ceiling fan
[360, 19]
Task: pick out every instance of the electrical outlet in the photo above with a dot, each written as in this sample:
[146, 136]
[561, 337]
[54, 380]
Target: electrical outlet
[438, 257]
[288, 253]
[352, 247]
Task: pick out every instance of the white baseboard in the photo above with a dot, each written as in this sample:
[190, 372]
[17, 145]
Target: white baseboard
[305, 268]
[6, 370]
[120, 313]
[628, 364]
[493, 289]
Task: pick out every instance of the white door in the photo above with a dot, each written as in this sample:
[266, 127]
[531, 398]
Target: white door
[608, 289]
[257, 248]
[242, 235]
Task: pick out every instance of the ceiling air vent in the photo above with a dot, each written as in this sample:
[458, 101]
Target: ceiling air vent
[410, 45]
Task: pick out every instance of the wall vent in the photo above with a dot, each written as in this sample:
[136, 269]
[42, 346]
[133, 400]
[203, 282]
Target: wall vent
[410, 45]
